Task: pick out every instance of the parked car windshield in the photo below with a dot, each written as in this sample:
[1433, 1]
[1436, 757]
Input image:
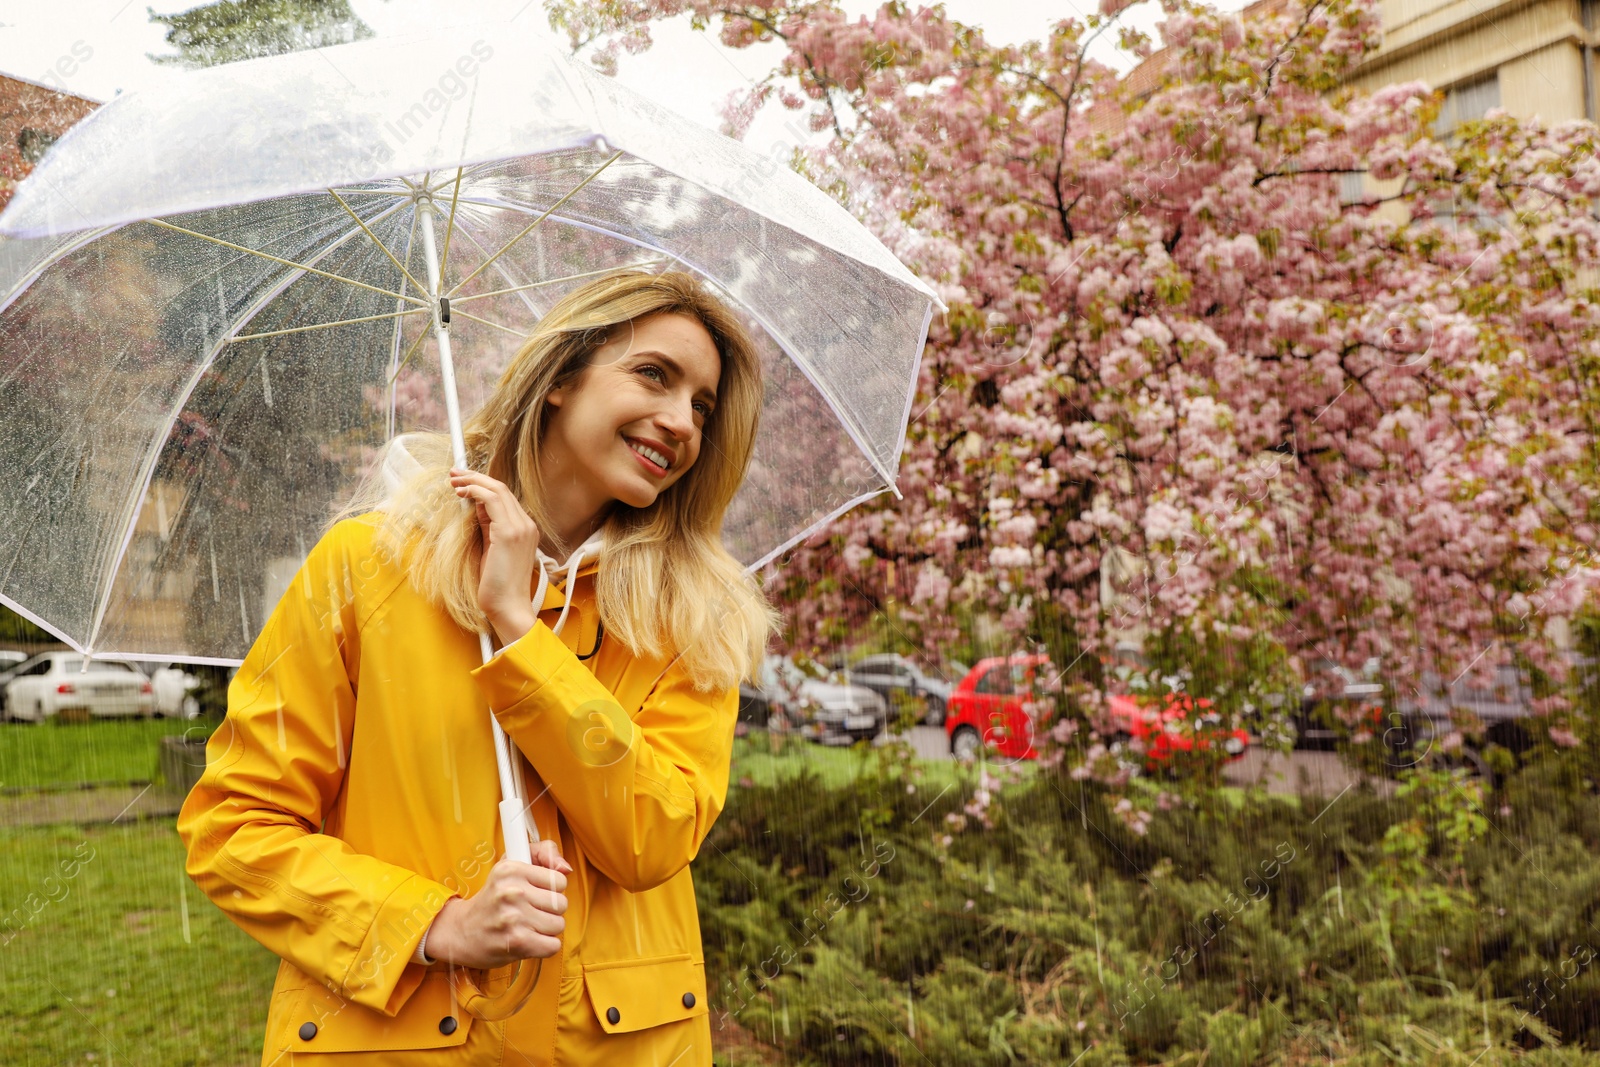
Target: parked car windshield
[779, 671]
[996, 679]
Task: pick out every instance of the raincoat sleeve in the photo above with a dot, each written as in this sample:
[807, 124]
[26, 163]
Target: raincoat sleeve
[252, 823]
[641, 793]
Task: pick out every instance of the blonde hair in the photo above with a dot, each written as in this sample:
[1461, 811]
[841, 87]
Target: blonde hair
[666, 585]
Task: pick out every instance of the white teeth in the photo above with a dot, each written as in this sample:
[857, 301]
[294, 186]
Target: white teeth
[651, 454]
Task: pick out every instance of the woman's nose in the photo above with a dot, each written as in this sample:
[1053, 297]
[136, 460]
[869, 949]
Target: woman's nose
[678, 419]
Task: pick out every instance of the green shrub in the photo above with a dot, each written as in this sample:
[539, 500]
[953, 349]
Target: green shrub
[854, 924]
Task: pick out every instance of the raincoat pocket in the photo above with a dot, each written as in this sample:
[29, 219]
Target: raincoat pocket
[631, 995]
[311, 1019]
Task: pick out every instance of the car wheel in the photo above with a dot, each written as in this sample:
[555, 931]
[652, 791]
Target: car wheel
[965, 744]
[935, 712]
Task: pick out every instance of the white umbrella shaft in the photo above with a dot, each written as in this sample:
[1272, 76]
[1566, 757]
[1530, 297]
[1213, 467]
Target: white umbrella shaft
[513, 814]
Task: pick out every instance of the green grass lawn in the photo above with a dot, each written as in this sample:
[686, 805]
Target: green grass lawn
[56, 755]
[123, 961]
[52, 754]
[754, 758]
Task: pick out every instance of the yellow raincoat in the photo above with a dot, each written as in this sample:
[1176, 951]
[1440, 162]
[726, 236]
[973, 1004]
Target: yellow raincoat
[352, 790]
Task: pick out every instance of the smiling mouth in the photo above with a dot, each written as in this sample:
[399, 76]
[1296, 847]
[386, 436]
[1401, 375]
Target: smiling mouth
[654, 461]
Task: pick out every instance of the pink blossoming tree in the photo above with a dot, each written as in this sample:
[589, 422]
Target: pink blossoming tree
[1177, 356]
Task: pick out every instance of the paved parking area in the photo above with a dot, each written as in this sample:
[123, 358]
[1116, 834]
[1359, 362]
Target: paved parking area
[929, 742]
[1314, 774]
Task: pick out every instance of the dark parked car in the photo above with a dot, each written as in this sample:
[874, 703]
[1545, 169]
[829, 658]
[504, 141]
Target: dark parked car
[889, 673]
[1338, 702]
[1424, 715]
[1418, 716]
[755, 710]
[830, 711]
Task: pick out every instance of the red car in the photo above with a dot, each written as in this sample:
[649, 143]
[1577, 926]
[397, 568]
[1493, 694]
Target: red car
[1167, 731]
[987, 708]
[991, 706]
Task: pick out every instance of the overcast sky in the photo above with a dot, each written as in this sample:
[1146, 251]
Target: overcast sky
[687, 71]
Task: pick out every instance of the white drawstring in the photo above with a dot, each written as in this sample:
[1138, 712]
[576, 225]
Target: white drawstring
[572, 569]
[544, 586]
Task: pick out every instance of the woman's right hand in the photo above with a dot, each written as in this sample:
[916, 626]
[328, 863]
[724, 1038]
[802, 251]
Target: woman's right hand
[509, 555]
[517, 914]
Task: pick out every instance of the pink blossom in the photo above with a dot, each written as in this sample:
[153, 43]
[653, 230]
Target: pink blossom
[1564, 737]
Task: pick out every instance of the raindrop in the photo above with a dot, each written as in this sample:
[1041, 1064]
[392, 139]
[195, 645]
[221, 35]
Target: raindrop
[266, 384]
[183, 908]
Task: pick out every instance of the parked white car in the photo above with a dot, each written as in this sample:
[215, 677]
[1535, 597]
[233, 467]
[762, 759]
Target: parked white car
[52, 682]
[174, 698]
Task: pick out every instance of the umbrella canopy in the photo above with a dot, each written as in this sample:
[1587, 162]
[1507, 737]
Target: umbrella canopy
[218, 301]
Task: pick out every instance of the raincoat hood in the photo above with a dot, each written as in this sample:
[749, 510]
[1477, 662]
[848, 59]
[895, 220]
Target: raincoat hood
[555, 576]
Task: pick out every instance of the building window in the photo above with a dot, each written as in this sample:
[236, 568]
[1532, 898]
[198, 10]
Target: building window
[1467, 101]
[33, 144]
[1352, 187]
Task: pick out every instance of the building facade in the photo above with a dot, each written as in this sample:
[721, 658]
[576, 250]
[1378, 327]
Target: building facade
[33, 116]
[1535, 58]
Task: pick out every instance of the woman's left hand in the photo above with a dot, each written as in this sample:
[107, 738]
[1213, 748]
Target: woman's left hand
[510, 544]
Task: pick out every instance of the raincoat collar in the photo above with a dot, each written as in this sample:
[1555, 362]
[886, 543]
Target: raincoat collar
[584, 560]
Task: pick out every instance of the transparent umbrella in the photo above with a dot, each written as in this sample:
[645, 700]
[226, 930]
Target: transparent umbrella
[221, 297]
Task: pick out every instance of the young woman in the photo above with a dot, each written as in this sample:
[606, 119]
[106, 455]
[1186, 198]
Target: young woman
[347, 818]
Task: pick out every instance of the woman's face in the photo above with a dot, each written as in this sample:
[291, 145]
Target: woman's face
[631, 425]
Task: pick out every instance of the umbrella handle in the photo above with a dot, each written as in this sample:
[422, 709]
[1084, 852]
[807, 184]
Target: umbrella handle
[508, 1003]
[514, 826]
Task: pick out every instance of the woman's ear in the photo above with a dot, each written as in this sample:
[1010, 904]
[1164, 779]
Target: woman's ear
[554, 397]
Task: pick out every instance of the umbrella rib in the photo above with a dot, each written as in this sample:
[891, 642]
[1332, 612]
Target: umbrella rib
[374, 238]
[459, 300]
[422, 335]
[449, 228]
[529, 228]
[496, 325]
[286, 262]
[326, 325]
[506, 275]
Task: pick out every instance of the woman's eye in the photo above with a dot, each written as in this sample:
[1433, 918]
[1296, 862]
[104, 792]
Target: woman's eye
[704, 409]
[660, 375]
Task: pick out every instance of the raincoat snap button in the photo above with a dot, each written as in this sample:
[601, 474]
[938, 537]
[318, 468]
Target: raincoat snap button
[308, 1031]
[688, 1000]
[447, 1025]
[613, 1016]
